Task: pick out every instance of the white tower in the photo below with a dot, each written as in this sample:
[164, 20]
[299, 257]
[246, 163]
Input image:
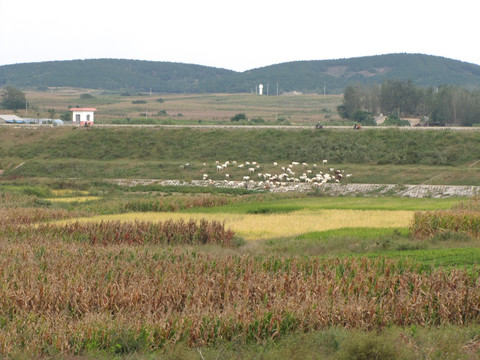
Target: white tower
[260, 89]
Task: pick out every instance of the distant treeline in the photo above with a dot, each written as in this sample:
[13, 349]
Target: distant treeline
[443, 105]
[315, 76]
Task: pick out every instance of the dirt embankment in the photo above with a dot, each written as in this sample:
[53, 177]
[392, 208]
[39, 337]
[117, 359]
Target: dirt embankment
[333, 189]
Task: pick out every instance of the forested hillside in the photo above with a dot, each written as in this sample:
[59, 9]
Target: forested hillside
[316, 76]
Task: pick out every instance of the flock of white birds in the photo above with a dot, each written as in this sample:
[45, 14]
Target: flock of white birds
[293, 172]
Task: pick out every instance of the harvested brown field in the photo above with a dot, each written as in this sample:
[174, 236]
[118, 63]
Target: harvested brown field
[69, 297]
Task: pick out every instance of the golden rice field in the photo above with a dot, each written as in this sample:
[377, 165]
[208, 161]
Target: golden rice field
[68, 192]
[73, 199]
[270, 226]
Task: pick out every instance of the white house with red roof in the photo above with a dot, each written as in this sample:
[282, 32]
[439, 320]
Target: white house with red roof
[83, 116]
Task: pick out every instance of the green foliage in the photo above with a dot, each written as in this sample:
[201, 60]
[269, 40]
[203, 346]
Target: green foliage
[51, 113]
[400, 96]
[394, 120]
[139, 102]
[66, 116]
[351, 101]
[87, 96]
[342, 111]
[445, 105]
[369, 347]
[363, 117]
[283, 121]
[37, 191]
[13, 99]
[239, 117]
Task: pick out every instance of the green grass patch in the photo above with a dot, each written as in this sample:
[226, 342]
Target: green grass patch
[457, 257]
[336, 203]
[373, 242]
[186, 189]
[380, 156]
[338, 242]
[34, 190]
[359, 233]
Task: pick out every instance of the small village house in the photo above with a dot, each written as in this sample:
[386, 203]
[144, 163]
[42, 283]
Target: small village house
[83, 116]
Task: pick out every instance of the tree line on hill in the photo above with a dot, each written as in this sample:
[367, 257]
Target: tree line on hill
[314, 76]
[440, 106]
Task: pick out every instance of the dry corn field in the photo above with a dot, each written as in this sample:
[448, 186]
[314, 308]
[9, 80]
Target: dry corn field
[427, 224]
[109, 281]
[64, 296]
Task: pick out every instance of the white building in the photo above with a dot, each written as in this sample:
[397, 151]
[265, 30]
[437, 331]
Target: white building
[83, 116]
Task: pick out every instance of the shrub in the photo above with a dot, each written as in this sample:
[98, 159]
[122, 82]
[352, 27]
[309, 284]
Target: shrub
[368, 347]
[363, 117]
[394, 120]
[37, 191]
[239, 117]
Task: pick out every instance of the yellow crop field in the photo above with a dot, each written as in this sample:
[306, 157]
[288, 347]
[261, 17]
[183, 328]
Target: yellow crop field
[268, 226]
[68, 192]
[73, 199]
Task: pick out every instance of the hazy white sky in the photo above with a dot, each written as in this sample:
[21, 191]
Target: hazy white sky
[236, 35]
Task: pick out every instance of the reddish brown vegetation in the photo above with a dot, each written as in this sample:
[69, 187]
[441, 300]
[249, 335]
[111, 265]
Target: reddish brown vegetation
[139, 232]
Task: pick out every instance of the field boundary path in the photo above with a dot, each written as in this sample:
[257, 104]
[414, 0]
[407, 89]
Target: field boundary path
[250, 127]
[334, 189]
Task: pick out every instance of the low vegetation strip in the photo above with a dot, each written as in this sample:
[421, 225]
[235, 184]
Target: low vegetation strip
[12, 217]
[75, 199]
[55, 299]
[428, 224]
[163, 232]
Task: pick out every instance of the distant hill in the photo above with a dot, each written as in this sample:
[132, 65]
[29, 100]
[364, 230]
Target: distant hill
[314, 76]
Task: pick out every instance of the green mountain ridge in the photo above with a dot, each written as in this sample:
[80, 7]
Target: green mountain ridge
[314, 76]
